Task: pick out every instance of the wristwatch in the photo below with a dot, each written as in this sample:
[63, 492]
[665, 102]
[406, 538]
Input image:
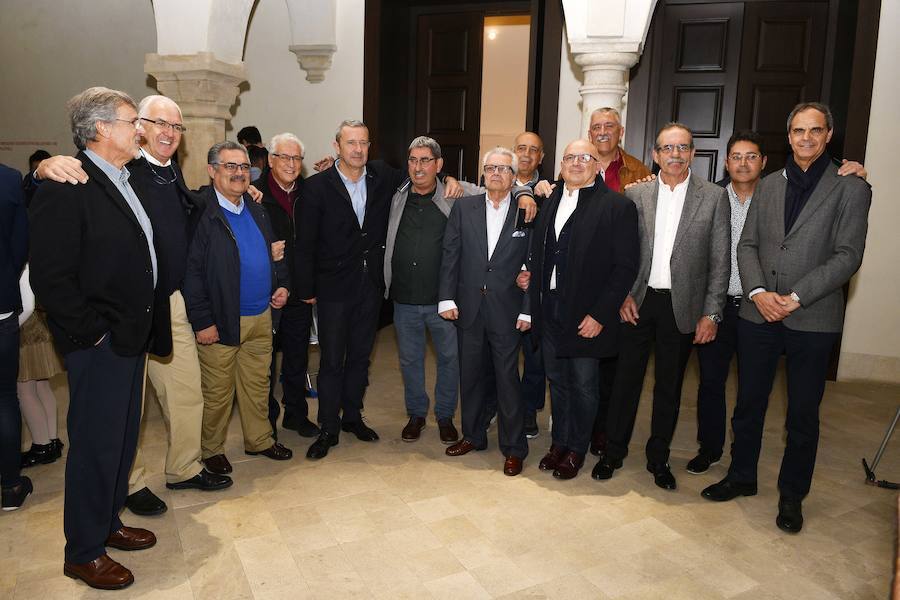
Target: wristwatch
[715, 318]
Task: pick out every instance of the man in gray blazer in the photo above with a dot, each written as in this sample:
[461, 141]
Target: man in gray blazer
[483, 254]
[803, 240]
[676, 300]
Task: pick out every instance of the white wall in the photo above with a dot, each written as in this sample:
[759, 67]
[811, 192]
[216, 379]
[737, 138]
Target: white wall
[871, 344]
[504, 84]
[568, 121]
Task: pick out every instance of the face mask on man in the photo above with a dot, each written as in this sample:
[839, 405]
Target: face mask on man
[255, 172]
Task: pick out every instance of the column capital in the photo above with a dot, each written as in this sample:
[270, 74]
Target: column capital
[201, 84]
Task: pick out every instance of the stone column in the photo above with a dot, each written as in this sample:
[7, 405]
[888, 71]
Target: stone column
[205, 88]
[605, 80]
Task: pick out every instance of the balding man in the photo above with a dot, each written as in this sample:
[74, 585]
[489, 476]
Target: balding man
[584, 259]
[617, 167]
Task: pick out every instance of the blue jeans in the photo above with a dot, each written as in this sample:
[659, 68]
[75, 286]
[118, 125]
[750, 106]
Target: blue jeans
[410, 321]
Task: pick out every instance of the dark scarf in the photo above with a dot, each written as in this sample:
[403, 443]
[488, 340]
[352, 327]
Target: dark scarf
[800, 186]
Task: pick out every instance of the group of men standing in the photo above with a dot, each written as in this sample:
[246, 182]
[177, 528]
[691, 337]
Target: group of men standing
[130, 262]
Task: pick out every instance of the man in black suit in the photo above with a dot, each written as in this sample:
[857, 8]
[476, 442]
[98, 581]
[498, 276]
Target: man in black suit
[483, 253]
[584, 258]
[94, 268]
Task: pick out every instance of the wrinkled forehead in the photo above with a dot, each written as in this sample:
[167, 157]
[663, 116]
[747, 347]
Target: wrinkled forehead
[674, 135]
[809, 118]
[354, 133]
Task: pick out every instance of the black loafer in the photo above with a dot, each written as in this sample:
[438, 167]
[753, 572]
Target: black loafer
[320, 447]
[727, 490]
[662, 475]
[145, 503]
[790, 515]
[701, 463]
[605, 468]
[301, 424]
[12, 498]
[363, 432]
[204, 480]
[276, 452]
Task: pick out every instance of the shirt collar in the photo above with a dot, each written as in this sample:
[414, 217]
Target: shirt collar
[115, 175]
[228, 204]
[153, 161]
[570, 195]
[732, 195]
[681, 186]
[503, 203]
[347, 180]
[531, 182]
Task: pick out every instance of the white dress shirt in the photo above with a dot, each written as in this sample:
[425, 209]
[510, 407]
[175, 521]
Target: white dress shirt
[669, 204]
[568, 202]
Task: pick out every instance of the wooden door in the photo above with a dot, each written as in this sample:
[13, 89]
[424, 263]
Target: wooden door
[701, 49]
[448, 87]
[781, 65]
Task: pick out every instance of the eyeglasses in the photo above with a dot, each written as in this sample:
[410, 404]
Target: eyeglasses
[813, 131]
[501, 169]
[750, 157]
[670, 148]
[133, 122]
[581, 159]
[233, 167]
[424, 161]
[165, 125]
[523, 149]
[288, 158]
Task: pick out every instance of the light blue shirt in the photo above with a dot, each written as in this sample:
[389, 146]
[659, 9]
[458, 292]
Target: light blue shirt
[119, 177]
[358, 193]
[228, 204]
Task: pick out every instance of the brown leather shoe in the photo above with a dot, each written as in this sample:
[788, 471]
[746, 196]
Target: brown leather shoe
[276, 452]
[449, 434]
[552, 458]
[569, 465]
[413, 429]
[463, 447]
[512, 466]
[218, 464]
[131, 538]
[102, 573]
[598, 442]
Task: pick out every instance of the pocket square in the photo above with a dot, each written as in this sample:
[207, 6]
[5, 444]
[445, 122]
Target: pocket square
[518, 233]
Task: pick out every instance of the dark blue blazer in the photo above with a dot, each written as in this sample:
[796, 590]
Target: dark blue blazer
[13, 238]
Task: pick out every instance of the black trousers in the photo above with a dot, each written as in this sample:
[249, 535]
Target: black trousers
[346, 336]
[715, 364]
[574, 384]
[479, 347]
[534, 379]
[759, 348]
[105, 392]
[604, 389]
[656, 330]
[293, 342]
[10, 418]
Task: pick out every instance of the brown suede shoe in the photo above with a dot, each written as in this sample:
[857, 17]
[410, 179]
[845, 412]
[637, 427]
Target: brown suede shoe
[131, 538]
[460, 448]
[218, 464]
[413, 429]
[512, 466]
[449, 434]
[552, 458]
[102, 573]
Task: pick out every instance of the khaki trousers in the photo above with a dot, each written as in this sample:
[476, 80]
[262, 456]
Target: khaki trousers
[176, 381]
[244, 369]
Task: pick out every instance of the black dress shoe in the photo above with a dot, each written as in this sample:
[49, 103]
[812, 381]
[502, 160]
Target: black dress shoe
[57, 447]
[701, 463]
[605, 468]
[531, 426]
[363, 432]
[145, 503]
[662, 475]
[218, 464]
[38, 454]
[301, 424]
[12, 498]
[448, 433]
[790, 515]
[204, 480]
[727, 490]
[598, 442]
[319, 448]
[413, 429]
[276, 452]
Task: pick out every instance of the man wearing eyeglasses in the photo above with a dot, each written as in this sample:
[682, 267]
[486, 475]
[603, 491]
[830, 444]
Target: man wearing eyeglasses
[482, 255]
[584, 259]
[675, 302]
[803, 240]
[281, 184]
[95, 269]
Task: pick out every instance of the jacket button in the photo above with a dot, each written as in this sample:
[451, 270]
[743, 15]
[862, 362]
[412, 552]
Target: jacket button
[490, 269]
[773, 272]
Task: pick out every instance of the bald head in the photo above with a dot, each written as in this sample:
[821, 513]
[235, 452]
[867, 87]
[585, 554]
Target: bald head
[580, 163]
[529, 148]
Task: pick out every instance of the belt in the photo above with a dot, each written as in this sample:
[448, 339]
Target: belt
[734, 300]
[661, 291]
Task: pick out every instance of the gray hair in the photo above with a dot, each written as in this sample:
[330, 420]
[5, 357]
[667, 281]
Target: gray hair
[285, 138]
[424, 141]
[673, 125]
[148, 101]
[605, 110]
[212, 157]
[822, 108]
[503, 152]
[348, 123]
[90, 106]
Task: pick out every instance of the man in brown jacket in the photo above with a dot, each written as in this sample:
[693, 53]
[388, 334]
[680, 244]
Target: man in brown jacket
[617, 167]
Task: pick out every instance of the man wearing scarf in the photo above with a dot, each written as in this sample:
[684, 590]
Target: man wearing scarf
[803, 239]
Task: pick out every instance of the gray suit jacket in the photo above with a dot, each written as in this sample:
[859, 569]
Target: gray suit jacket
[475, 283]
[820, 253]
[701, 256]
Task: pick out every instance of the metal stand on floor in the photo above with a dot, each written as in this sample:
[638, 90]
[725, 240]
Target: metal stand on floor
[870, 471]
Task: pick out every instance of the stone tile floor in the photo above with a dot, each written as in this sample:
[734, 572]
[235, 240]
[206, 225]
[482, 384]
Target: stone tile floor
[395, 520]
